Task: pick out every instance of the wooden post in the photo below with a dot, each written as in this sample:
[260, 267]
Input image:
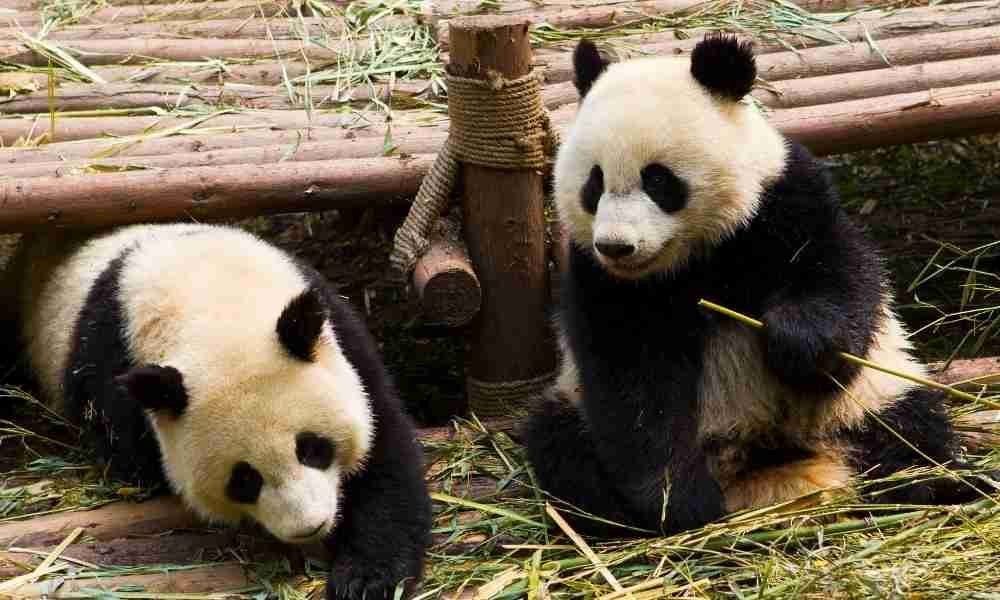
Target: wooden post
[511, 340]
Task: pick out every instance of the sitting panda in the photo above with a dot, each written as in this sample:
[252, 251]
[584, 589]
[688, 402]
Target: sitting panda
[665, 416]
[203, 355]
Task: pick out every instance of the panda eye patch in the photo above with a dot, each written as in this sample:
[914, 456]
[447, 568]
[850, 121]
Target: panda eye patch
[590, 195]
[314, 450]
[665, 188]
[244, 484]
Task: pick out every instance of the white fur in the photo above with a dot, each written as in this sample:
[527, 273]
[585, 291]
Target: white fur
[206, 300]
[651, 110]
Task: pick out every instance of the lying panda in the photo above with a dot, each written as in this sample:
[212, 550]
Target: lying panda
[202, 354]
[672, 190]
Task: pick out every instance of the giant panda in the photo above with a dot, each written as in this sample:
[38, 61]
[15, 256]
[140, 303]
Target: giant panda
[672, 188]
[205, 356]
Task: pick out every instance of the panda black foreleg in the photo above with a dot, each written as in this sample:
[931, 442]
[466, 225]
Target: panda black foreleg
[920, 417]
[618, 485]
[384, 529]
[565, 461]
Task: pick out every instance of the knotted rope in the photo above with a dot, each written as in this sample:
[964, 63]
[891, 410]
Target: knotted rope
[498, 123]
[495, 122]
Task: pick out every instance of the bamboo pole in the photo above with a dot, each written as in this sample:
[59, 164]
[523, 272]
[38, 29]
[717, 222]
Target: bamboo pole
[504, 226]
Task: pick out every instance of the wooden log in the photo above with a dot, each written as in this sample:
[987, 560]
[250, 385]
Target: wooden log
[130, 518]
[828, 89]
[226, 9]
[83, 97]
[263, 72]
[82, 128]
[898, 119]
[219, 581]
[444, 281]
[830, 59]
[859, 29]
[202, 193]
[293, 150]
[504, 223]
[219, 192]
[141, 50]
[279, 29]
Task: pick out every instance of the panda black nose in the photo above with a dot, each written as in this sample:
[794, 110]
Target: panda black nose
[615, 249]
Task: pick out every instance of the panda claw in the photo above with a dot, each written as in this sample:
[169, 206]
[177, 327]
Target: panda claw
[361, 583]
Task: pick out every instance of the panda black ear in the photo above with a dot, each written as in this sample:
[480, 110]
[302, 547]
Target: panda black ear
[300, 325]
[588, 64]
[724, 65]
[160, 389]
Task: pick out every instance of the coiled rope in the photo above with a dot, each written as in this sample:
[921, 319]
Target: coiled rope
[498, 123]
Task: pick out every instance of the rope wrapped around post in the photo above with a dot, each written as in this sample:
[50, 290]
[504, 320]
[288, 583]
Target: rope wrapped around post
[495, 123]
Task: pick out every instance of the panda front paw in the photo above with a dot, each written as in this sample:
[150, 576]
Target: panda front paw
[356, 580]
[800, 351]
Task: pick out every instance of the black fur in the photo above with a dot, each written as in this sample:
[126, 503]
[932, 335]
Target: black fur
[245, 483]
[385, 523]
[724, 65]
[314, 451]
[155, 388]
[588, 65]
[921, 418]
[800, 263]
[300, 324]
[113, 422]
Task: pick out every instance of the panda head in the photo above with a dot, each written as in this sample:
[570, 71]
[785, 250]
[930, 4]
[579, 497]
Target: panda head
[269, 432]
[664, 158]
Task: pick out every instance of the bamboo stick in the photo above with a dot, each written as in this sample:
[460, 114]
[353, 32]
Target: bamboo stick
[757, 324]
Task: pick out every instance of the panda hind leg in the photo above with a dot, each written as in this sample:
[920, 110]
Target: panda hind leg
[565, 461]
[920, 417]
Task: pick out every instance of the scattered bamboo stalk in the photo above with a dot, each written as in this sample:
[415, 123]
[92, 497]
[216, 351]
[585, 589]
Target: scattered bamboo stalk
[583, 547]
[43, 568]
[756, 324]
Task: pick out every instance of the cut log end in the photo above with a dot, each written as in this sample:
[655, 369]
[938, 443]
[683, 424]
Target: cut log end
[444, 281]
